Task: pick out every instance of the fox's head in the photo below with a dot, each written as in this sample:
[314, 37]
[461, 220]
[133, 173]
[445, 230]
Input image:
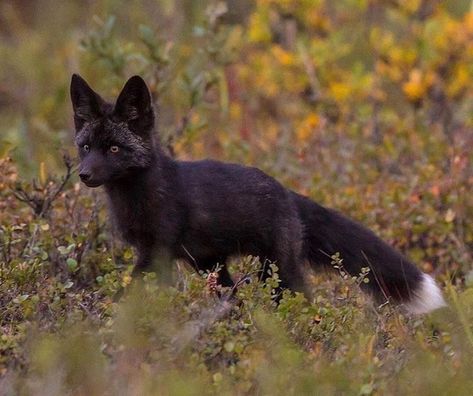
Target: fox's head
[114, 140]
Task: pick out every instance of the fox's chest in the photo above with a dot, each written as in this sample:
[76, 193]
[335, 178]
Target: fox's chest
[135, 222]
[147, 221]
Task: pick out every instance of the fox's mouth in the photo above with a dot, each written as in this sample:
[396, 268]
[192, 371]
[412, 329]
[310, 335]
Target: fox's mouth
[92, 183]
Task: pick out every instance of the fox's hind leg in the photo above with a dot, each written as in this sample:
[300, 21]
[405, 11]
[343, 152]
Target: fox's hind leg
[224, 279]
[287, 255]
[290, 272]
[291, 275]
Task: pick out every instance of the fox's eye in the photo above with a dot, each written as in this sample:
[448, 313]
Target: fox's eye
[86, 147]
[114, 149]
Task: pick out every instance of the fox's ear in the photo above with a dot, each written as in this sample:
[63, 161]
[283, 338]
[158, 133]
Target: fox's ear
[134, 101]
[87, 104]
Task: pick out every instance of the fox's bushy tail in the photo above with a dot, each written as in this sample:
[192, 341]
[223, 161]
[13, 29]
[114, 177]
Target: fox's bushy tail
[391, 277]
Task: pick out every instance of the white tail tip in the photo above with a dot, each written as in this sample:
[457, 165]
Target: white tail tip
[426, 298]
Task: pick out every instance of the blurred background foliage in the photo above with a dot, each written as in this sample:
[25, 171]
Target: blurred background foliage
[364, 105]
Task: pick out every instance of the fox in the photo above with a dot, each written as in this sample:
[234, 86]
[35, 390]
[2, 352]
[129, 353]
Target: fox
[206, 212]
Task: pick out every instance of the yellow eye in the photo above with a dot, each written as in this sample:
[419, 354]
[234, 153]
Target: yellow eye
[114, 149]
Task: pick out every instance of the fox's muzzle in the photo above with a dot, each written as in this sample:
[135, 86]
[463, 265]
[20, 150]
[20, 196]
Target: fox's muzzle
[87, 179]
[91, 170]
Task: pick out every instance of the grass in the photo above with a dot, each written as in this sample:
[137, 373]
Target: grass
[63, 333]
[373, 119]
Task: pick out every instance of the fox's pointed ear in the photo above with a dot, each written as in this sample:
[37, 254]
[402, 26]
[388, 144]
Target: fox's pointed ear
[134, 101]
[87, 104]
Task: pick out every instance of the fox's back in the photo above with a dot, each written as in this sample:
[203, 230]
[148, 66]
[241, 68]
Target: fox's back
[230, 204]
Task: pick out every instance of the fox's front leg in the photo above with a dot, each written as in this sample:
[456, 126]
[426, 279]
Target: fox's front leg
[150, 259]
[144, 260]
[142, 263]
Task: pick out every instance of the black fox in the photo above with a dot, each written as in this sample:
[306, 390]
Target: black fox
[206, 211]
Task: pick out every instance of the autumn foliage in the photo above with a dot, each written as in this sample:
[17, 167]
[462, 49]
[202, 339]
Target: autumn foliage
[363, 105]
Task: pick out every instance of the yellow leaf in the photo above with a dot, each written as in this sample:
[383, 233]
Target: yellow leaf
[460, 80]
[126, 280]
[468, 21]
[340, 91]
[418, 84]
[42, 173]
[259, 30]
[450, 216]
[286, 58]
[307, 126]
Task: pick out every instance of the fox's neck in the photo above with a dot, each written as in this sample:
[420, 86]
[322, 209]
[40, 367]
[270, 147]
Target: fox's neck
[139, 202]
[143, 184]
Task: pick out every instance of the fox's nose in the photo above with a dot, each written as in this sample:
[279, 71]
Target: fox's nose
[84, 176]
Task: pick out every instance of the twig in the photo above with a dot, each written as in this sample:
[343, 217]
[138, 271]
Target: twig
[41, 201]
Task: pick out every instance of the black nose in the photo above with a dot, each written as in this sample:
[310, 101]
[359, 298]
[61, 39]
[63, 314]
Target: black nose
[84, 176]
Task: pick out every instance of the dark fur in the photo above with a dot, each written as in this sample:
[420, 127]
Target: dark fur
[206, 211]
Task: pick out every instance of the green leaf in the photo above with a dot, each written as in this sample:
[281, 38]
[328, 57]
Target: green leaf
[229, 346]
[147, 35]
[71, 264]
[366, 389]
[68, 285]
[217, 377]
[62, 250]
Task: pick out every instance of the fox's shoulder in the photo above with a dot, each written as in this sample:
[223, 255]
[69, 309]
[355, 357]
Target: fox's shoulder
[213, 167]
[224, 173]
